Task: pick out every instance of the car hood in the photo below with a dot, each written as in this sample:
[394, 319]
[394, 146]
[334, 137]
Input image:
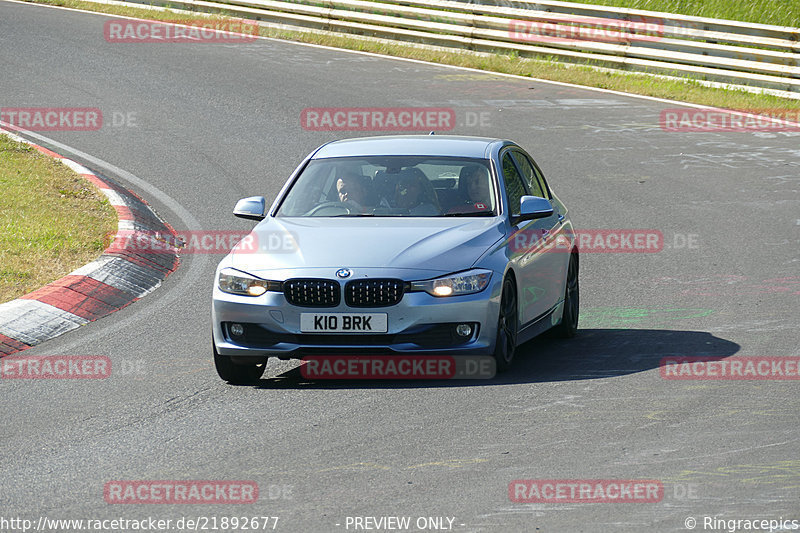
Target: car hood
[441, 245]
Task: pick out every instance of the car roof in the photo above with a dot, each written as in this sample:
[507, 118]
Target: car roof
[425, 145]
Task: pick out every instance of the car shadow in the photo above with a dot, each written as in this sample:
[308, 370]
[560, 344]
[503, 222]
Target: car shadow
[592, 354]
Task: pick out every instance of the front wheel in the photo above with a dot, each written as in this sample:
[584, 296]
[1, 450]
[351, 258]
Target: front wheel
[506, 343]
[236, 374]
[568, 327]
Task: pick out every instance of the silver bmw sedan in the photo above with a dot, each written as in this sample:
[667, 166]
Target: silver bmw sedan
[398, 245]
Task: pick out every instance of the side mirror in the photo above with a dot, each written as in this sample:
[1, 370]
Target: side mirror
[253, 208]
[532, 207]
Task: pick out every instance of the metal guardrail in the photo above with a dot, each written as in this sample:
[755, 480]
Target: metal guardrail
[732, 52]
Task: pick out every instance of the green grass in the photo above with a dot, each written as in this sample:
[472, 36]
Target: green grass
[52, 221]
[778, 12]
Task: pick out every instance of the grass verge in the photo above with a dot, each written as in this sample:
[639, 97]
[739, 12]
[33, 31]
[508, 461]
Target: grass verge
[777, 12]
[52, 221]
[543, 68]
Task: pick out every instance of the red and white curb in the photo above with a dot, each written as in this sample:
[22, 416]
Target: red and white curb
[117, 278]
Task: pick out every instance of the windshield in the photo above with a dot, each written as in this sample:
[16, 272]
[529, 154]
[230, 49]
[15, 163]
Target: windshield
[396, 186]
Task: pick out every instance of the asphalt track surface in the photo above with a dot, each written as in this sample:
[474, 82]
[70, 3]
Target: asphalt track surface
[217, 122]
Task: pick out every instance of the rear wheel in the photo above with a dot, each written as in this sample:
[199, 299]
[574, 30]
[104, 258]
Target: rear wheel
[569, 320]
[506, 342]
[237, 374]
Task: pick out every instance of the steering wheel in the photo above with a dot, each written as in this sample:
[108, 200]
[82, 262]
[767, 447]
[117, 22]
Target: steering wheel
[327, 209]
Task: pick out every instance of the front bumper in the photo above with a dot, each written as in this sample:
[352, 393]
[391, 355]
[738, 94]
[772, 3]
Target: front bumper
[418, 324]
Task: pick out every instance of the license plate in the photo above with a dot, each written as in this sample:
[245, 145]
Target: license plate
[344, 322]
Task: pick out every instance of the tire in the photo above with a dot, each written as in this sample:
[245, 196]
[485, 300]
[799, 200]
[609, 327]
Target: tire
[568, 327]
[507, 325]
[236, 374]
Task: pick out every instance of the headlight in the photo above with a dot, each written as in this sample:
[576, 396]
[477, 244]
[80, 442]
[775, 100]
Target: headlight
[238, 282]
[467, 282]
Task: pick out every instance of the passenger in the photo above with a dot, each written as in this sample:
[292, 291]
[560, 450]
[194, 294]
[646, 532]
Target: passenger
[475, 186]
[478, 189]
[415, 193]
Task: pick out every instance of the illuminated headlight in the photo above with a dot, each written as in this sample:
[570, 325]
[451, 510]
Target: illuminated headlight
[468, 282]
[238, 282]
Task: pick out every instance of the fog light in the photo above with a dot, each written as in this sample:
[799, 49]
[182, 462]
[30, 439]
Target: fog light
[465, 330]
[237, 330]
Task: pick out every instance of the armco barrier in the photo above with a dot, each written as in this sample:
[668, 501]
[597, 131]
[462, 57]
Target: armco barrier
[731, 52]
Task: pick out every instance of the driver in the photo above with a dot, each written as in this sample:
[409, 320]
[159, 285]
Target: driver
[352, 191]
